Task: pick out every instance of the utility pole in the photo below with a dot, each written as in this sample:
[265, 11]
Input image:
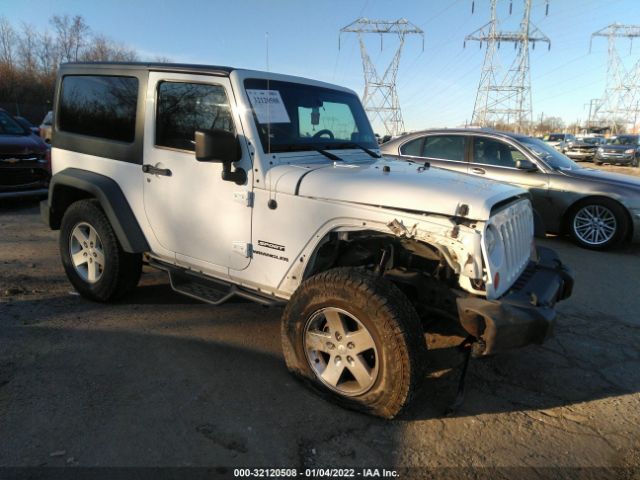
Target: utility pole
[505, 98]
[618, 107]
[380, 98]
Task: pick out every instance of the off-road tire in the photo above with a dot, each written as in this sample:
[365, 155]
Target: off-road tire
[386, 313]
[618, 211]
[121, 270]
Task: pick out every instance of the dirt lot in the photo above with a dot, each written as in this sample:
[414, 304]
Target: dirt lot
[160, 380]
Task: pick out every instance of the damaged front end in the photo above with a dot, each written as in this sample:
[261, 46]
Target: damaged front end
[525, 314]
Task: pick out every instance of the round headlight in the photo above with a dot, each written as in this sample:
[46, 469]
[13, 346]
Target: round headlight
[600, 149]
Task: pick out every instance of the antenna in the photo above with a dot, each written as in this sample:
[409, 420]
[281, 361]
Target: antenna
[380, 97]
[505, 98]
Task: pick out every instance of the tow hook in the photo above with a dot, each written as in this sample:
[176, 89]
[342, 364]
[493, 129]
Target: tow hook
[466, 346]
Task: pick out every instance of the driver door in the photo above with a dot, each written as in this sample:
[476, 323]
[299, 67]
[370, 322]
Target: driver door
[204, 220]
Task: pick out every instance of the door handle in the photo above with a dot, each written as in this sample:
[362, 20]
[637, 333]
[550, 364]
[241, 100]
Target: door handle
[155, 170]
[479, 171]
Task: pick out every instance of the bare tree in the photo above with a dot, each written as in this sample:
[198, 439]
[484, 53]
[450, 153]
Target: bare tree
[7, 42]
[27, 46]
[103, 49]
[71, 37]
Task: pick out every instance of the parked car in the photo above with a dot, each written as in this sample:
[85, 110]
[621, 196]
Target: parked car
[24, 160]
[27, 124]
[597, 209]
[45, 127]
[555, 139]
[271, 188]
[582, 149]
[621, 150]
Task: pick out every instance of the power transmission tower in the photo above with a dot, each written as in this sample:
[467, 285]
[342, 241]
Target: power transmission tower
[619, 106]
[380, 98]
[505, 98]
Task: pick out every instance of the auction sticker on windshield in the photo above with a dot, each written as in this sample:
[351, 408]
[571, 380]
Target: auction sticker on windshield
[268, 106]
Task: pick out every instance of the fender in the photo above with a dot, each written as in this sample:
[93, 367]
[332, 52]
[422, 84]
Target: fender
[72, 184]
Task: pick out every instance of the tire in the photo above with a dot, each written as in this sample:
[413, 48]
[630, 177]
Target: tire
[597, 162]
[86, 231]
[610, 231]
[360, 300]
[634, 162]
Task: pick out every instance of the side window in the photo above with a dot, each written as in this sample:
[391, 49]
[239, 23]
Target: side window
[413, 148]
[446, 147]
[183, 108]
[494, 152]
[99, 106]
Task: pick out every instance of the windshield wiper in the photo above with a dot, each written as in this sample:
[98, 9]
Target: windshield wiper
[357, 145]
[305, 147]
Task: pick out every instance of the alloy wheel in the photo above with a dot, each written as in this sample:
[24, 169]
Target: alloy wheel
[341, 351]
[87, 253]
[595, 224]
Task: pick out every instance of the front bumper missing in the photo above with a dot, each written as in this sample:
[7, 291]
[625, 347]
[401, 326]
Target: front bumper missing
[525, 314]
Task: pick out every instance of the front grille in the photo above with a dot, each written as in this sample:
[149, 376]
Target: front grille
[14, 177]
[516, 234]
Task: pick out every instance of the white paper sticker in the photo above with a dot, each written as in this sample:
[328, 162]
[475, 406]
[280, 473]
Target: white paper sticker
[268, 106]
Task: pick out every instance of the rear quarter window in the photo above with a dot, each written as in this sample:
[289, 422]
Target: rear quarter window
[99, 106]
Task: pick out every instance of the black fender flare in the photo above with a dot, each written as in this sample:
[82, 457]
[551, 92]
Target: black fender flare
[109, 195]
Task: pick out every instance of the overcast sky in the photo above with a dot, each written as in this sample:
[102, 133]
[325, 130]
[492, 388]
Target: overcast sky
[437, 86]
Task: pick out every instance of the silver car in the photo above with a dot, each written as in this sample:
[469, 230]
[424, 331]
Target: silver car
[597, 209]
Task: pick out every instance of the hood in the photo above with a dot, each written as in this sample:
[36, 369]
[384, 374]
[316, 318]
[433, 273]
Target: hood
[406, 186]
[602, 176]
[619, 148]
[21, 145]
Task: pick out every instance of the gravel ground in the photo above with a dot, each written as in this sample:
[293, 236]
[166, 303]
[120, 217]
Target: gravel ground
[160, 380]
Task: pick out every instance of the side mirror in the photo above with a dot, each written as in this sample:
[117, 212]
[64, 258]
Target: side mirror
[525, 164]
[221, 146]
[217, 146]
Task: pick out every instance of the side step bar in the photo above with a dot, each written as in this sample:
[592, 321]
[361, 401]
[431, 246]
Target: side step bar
[207, 289]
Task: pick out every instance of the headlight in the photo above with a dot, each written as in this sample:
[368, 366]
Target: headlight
[630, 150]
[600, 149]
[495, 247]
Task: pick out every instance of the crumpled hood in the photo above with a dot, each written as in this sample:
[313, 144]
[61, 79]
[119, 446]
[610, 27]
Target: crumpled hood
[406, 186]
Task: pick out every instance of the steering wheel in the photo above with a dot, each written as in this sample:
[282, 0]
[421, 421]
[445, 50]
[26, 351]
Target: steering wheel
[324, 131]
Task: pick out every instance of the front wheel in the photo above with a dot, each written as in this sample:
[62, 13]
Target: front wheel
[92, 257]
[598, 224]
[355, 338]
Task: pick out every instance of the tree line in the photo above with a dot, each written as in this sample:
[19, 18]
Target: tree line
[29, 60]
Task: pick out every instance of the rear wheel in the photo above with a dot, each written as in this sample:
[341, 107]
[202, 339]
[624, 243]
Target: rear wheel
[598, 224]
[92, 257]
[355, 338]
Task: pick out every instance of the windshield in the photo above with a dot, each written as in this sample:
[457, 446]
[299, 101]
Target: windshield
[8, 126]
[554, 137]
[550, 155]
[297, 117]
[625, 140]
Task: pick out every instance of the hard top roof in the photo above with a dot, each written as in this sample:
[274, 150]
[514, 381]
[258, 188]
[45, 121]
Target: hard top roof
[174, 67]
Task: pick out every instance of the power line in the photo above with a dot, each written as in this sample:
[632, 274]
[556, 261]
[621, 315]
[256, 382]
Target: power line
[505, 97]
[380, 97]
[619, 106]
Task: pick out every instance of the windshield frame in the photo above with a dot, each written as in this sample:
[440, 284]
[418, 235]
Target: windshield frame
[291, 93]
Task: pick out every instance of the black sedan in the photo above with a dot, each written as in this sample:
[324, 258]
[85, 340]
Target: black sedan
[598, 209]
[25, 167]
